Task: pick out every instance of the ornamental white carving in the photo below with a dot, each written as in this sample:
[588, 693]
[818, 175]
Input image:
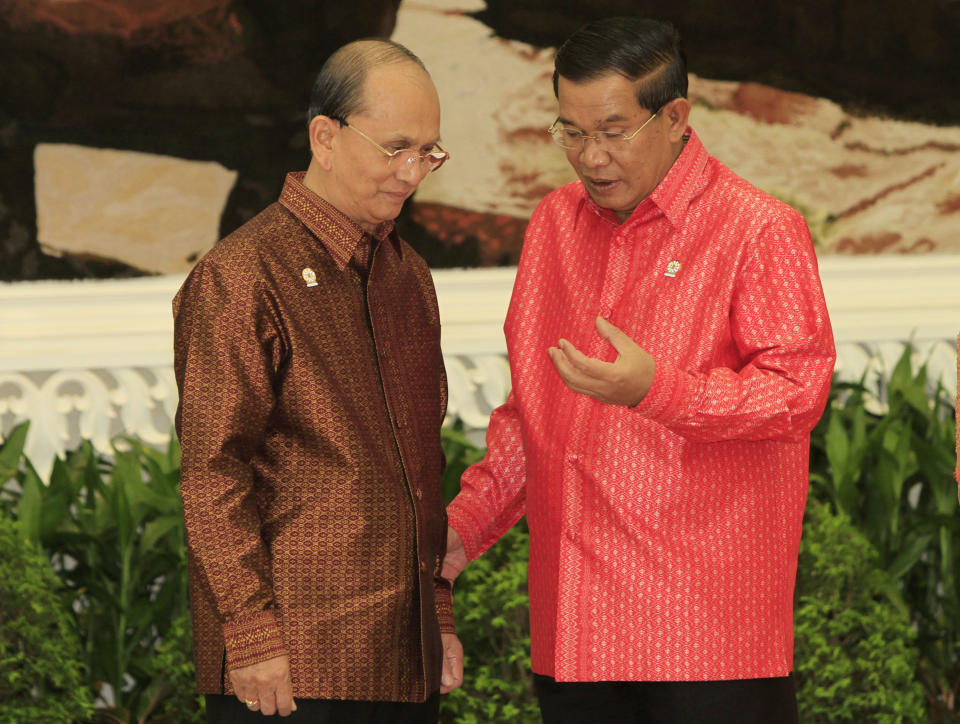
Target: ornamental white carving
[94, 359]
[66, 406]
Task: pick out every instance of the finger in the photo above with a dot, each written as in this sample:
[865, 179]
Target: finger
[574, 378]
[268, 701]
[452, 676]
[453, 566]
[613, 334]
[455, 559]
[285, 702]
[246, 695]
[575, 381]
[562, 365]
[586, 366]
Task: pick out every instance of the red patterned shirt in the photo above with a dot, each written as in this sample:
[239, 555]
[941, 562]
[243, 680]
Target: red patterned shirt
[663, 538]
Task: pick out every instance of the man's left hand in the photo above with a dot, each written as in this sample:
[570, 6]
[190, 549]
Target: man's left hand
[452, 675]
[625, 381]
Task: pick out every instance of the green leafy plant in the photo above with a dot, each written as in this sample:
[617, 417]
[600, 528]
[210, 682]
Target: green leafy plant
[172, 667]
[460, 454]
[855, 656]
[42, 675]
[492, 610]
[891, 473]
[114, 533]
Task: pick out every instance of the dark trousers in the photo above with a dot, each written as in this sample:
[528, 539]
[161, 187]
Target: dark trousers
[230, 710]
[747, 701]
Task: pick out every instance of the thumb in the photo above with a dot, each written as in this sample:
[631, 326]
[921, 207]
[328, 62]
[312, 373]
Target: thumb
[612, 334]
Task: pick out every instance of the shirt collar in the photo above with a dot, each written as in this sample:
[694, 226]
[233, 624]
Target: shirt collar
[675, 191]
[338, 233]
[683, 181]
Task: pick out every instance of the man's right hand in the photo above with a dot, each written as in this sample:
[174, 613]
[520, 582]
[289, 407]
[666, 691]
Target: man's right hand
[265, 686]
[456, 558]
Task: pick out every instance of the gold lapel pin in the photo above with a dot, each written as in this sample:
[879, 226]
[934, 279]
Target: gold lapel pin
[309, 276]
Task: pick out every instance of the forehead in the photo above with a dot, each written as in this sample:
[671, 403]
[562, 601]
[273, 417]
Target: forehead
[597, 101]
[400, 105]
[400, 95]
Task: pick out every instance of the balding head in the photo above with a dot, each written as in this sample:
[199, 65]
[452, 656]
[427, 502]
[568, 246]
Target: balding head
[338, 89]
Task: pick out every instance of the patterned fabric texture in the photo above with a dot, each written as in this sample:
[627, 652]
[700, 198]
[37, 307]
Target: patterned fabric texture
[663, 538]
[311, 398]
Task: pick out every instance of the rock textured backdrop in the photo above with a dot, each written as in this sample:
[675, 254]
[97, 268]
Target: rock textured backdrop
[845, 108]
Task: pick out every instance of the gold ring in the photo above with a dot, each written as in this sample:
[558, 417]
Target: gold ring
[250, 703]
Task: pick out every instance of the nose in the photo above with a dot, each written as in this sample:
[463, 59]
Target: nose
[593, 154]
[412, 170]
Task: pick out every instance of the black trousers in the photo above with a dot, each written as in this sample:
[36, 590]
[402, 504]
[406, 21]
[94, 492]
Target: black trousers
[230, 710]
[747, 701]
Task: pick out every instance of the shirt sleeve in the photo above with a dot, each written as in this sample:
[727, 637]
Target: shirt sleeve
[443, 596]
[492, 494]
[780, 327]
[227, 349]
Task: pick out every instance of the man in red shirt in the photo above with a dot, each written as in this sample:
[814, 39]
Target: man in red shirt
[670, 352]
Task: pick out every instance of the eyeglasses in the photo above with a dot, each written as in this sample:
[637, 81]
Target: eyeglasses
[432, 160]
[608, 140]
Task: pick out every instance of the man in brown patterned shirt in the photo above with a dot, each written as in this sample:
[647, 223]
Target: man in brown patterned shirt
[307, 354]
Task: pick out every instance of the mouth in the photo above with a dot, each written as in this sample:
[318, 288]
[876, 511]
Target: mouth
[601, 185]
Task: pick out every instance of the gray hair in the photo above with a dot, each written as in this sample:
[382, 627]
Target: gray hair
[338, 89]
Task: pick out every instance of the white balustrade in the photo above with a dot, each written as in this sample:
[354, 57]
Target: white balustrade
[94, 359]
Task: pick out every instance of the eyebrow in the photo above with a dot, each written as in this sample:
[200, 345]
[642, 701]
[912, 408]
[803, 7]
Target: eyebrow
[615, 118]
[405, 143]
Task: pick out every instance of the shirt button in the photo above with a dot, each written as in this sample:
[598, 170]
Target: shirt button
[419, 494]
[573, 459]
[423, 566]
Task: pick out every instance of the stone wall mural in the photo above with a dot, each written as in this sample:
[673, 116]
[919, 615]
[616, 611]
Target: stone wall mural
[134, 133]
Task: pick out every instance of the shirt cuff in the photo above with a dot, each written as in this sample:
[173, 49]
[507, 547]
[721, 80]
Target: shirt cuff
[252, 639]
[666, 387]
[467, 526]
[443, 597]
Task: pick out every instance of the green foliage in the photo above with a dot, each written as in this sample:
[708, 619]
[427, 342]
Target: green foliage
[114, 533]
[855, 651]
[42, 676]
[492, 611]
[173, 678]
[460, 454]
[891, 473]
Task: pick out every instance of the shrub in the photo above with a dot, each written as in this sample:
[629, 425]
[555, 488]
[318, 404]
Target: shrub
[42, 676]
[174, 687]
[114, 533]
[460, 454]
[890, 471]
[492, 611]
[855, 650]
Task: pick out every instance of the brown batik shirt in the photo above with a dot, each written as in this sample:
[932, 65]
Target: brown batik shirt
[312, 389]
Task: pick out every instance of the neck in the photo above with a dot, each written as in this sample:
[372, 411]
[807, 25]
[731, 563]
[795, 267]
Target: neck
[317, 180]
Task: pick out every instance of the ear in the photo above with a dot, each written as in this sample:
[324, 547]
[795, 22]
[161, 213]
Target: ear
[323, 133]
[677, 113]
